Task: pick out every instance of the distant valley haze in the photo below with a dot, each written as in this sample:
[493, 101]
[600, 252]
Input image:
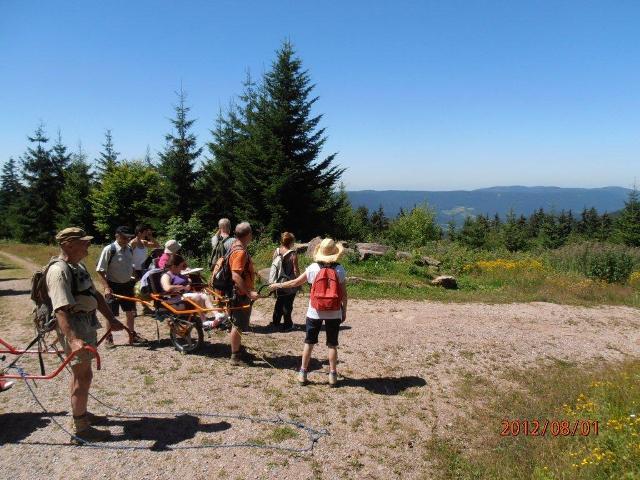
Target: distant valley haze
[458, 204]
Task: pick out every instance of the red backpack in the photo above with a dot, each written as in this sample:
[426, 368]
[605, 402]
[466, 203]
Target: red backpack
[326, 294]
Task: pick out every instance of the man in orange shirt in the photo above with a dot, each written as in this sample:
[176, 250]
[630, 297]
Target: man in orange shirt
[243, 275]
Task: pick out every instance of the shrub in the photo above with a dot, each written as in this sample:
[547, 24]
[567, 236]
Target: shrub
[613, 267]
[611, 263]
[414, 229]
[192, 235]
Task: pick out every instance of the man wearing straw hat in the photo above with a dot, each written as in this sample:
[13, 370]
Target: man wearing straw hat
[326, 256]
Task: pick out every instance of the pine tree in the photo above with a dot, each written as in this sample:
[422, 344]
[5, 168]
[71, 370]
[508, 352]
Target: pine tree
[75, 209]
[177, 162]
[628, 223]
[38, 204]
[108, 157]
[10, 192]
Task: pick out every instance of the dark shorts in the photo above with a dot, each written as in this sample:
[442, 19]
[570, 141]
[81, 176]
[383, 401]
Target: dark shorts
[331, 325]
[240, 317]
[125, 289]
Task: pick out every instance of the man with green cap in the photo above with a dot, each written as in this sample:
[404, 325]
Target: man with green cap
[74, 300]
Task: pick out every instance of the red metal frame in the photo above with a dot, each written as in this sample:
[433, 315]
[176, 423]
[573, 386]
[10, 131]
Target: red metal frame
[14, 351]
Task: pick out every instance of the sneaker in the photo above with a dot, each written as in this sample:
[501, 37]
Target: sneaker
[4, 386]
[287, 328]
[108, 342]
[94, 419]
[333, 379]
[302, 377]
[91, 434]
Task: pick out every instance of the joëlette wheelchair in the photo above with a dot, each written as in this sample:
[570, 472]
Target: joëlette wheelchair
[181, 314]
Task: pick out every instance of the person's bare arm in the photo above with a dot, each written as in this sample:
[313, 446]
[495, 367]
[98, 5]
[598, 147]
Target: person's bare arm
[64, 324]
[296, 267]
[296, 282]
[102, 276]
[242, 286]
[343, 288]
[165, 281]
[106, 312]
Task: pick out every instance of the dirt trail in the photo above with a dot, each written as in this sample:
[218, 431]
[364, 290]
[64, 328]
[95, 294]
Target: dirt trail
[401, 363]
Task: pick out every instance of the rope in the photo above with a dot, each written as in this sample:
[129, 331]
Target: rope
[313, 435]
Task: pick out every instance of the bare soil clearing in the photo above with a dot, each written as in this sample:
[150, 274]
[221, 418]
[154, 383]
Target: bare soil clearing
[402, 364]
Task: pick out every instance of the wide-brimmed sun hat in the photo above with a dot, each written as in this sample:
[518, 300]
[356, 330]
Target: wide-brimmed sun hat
[172, 246]
[328, 251]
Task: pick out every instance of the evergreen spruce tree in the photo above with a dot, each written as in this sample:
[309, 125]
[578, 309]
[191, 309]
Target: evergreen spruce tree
[177, 162]
[299, 192]
[108, 157]
[605, 228]
[75, 208]
[217, 185]
[61, 159]
[513, 234]
[379, 221]
[628, 222]
[452, 234]
[10, 192]
[38, 204]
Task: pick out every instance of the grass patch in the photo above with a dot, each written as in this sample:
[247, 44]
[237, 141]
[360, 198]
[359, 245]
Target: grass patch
[281, 434]
[562, 391]
[490, 277]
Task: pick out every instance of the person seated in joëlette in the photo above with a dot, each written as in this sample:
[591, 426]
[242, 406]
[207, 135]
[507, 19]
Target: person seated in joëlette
[174, 281]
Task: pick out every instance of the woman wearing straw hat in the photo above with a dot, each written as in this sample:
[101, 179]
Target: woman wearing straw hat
[326, 256]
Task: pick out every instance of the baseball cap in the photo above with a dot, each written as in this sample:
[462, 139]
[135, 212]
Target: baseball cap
[72, 233]
[124, 230]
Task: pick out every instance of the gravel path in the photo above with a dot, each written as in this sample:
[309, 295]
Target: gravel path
[401, 364]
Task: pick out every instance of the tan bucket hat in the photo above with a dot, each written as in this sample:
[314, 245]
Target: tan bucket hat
[72, 233]
[328, 251]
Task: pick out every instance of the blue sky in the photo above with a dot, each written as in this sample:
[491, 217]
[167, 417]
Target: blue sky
[415, 94]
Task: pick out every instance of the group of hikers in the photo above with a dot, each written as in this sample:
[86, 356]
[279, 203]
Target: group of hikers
[74, 298]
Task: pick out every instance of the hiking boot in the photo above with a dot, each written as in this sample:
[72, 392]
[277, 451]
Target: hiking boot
[333, 379]
[97, 419]
[237, 359]
[4, 386]
[136, 339]
[84, 431]
[108, 342]
[302, 377]
[91, 434]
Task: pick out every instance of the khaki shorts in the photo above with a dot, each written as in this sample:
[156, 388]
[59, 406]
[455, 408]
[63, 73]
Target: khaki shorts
[85, 327]
[241, 316]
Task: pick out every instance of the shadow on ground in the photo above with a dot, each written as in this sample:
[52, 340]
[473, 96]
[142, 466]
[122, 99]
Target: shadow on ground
[11, 292]
[164, 431]
[18, 426]
[384, 385]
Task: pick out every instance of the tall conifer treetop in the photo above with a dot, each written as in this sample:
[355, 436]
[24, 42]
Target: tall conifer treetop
[177, 161]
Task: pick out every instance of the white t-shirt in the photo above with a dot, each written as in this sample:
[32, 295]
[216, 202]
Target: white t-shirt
[120, 269]
[312, 270]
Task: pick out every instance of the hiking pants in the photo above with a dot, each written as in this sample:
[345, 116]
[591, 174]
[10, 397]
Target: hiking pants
[284, 307]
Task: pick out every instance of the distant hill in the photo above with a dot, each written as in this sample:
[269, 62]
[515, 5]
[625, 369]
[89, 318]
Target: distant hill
[458, 204]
